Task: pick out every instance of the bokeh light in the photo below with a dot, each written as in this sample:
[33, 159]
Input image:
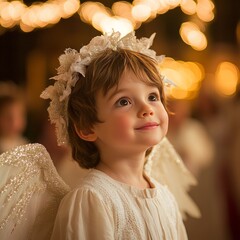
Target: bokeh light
[226, 78]
[187, 77]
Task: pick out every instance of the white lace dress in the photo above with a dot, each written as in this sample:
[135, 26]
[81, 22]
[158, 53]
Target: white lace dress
[103, 208]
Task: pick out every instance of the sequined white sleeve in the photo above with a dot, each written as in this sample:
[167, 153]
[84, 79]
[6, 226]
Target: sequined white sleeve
[30, 193]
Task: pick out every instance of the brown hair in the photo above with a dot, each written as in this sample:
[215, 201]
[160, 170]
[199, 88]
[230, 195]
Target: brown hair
[102, 74]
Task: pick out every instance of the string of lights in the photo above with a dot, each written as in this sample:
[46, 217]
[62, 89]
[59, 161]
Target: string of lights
[123, 16]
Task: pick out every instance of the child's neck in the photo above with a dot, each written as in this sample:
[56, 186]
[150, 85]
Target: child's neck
[128, 171]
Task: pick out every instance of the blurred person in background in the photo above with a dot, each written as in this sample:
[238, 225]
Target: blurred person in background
[12, 116]
[196, 145]
[190, 137]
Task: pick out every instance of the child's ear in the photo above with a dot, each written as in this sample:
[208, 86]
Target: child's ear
[87, 135]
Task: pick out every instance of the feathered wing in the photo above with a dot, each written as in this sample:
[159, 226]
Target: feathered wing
[166, 166]
[30, 192]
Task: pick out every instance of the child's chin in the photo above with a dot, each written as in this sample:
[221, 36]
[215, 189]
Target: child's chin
[156, 140]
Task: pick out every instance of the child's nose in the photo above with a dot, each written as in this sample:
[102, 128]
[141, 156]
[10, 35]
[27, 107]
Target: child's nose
[145, 111]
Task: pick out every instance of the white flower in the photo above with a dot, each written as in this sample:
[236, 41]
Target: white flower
[66, 60]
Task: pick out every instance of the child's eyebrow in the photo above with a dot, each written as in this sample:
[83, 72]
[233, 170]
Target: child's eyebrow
[115, 92]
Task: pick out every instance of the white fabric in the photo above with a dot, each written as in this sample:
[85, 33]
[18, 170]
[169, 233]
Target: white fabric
[165, 165]
[103, 208]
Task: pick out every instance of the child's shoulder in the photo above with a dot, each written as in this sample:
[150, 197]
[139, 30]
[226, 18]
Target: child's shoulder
[94, 183]
[94, 190]
[96, 180]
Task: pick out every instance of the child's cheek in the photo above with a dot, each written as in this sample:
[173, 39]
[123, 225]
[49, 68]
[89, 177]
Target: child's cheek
[122, 125]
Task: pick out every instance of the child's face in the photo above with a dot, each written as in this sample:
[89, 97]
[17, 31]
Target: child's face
[133, 116]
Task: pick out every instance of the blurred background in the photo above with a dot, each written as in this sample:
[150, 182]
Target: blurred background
[201, 42]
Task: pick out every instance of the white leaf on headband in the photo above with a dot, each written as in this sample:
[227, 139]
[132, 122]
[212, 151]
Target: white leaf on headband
[48, 93]
[80, 66]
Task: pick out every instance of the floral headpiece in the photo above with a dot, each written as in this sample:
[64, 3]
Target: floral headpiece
[73, 61]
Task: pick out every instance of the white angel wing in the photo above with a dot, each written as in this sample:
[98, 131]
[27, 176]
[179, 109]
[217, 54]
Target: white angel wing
[30, 192]
[166, 166]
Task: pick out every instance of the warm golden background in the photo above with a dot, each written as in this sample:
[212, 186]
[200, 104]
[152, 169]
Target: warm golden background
[201, 41]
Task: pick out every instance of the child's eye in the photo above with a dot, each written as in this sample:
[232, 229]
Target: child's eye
[123, 102]
[153, 97]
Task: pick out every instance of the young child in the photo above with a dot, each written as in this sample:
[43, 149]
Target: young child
[12, 117]
[116, 113]
[108, 102]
